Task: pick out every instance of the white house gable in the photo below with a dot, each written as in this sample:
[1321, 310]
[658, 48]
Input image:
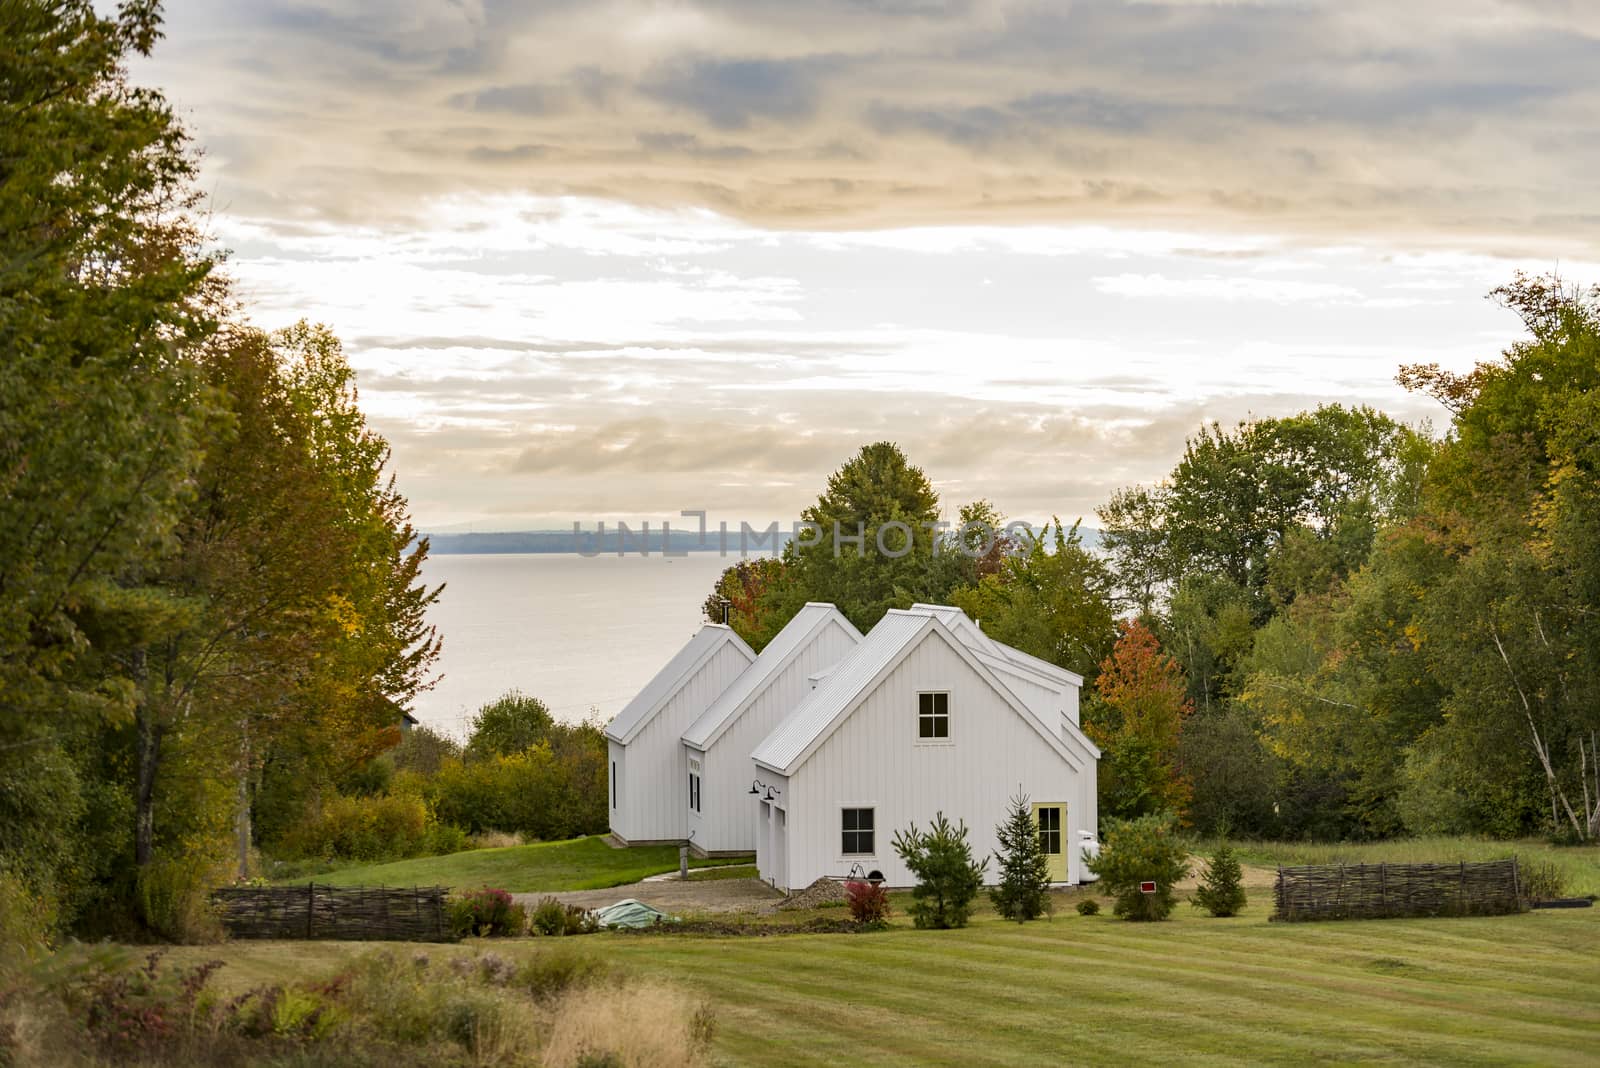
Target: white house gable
[649, 785]
[888, 755]
[723, 819]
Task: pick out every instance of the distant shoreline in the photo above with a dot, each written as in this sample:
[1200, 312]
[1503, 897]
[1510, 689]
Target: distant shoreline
[635, 543]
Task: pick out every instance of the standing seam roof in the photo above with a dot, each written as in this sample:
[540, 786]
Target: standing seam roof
[796, 635]
[834, 693]
[666, 682]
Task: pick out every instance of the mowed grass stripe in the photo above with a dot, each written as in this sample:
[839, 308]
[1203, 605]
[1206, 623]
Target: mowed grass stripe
[1457, 985]
[1298, 1004]
[1374, 943]
[1194, 991]
[1012, 983]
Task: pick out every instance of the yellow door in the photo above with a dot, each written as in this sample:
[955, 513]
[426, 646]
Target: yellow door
[1051, 819]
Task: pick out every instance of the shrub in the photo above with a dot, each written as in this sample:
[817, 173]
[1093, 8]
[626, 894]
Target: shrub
[1023, 892]
[361, 828]
[174, 896]
[581, 921]
[473, 1007]
[486, 913]
[548, 975]
[1088, 907]
[549, 917]
[947, 876]
[1221, 890]
[25, 922]
[1147, 849]
[445, 838]
[555, 789]
[869, 902]
[1542, 880]
[131, 1011]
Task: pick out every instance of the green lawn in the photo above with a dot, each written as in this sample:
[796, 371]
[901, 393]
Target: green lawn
[581, 864]
[1499, 990]
[1581, 864]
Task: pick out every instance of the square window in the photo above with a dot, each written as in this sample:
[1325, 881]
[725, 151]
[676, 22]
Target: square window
[856, 825]
[933, 716]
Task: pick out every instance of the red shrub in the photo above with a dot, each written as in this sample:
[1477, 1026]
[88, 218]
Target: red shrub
[869, 902]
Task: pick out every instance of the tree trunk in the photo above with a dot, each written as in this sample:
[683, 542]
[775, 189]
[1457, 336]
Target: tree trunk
[148, 757]
[243, 819]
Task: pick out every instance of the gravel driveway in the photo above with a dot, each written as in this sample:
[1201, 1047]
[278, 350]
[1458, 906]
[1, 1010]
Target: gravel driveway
[673, 895]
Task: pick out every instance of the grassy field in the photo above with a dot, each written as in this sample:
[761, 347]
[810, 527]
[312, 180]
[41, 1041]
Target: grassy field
[581, 864]
[1581, 864]
[1503, 990]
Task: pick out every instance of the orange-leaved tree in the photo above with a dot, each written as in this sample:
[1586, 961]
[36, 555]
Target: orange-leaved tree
[1135, 718]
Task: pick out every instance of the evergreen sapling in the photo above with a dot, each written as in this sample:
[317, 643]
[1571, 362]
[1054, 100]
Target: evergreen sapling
[1023, 892]
[1221, 890]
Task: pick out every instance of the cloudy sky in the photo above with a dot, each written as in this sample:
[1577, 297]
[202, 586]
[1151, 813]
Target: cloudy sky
[603, 259]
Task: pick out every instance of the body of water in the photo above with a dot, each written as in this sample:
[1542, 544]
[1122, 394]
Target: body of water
[579, 633]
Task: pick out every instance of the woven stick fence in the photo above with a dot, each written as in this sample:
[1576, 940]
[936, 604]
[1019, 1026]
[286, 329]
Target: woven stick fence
[1377, 891]
[345, 912]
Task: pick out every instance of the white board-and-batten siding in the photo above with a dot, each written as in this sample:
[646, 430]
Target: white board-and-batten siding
[874, 759]
[652, 795]
[728, 817]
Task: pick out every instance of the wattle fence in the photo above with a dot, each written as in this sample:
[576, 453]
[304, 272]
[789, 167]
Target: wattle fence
[1378, 891]
[343, 912]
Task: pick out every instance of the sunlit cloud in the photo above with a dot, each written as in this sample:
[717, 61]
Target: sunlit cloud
[621, 258]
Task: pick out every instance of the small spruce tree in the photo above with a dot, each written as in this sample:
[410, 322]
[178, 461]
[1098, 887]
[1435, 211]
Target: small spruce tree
[1023, 892]
[947, 877]
[1221, 890]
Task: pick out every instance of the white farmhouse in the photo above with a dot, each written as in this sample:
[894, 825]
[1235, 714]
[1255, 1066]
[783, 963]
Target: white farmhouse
[648, 768]
[717, 746]
[926, 714]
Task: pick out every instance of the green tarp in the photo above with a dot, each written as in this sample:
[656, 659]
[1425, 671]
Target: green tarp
[631, 913]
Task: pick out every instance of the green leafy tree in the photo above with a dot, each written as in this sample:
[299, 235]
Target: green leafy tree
[106, 291]
[872, 544]
[1509, 628]
[1221, 889]
[424, 751]
[1053, 600]
[1268, 505]
[1132, 852]
[1023, 890]
[1133, 535]
[948, 879]
[1234, 777]
[510, 724]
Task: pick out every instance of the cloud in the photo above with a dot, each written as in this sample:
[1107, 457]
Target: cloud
[1456, 123]
[1218, 288]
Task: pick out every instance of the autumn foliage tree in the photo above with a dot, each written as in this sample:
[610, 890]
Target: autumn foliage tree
[1136, 718]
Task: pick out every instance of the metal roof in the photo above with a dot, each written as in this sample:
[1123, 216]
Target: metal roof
[814, 718]
[1005, 667]
[806, 625]
[961, 625]
[625, 725]
[1041, 665]
[817, 711]
[969, 631]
